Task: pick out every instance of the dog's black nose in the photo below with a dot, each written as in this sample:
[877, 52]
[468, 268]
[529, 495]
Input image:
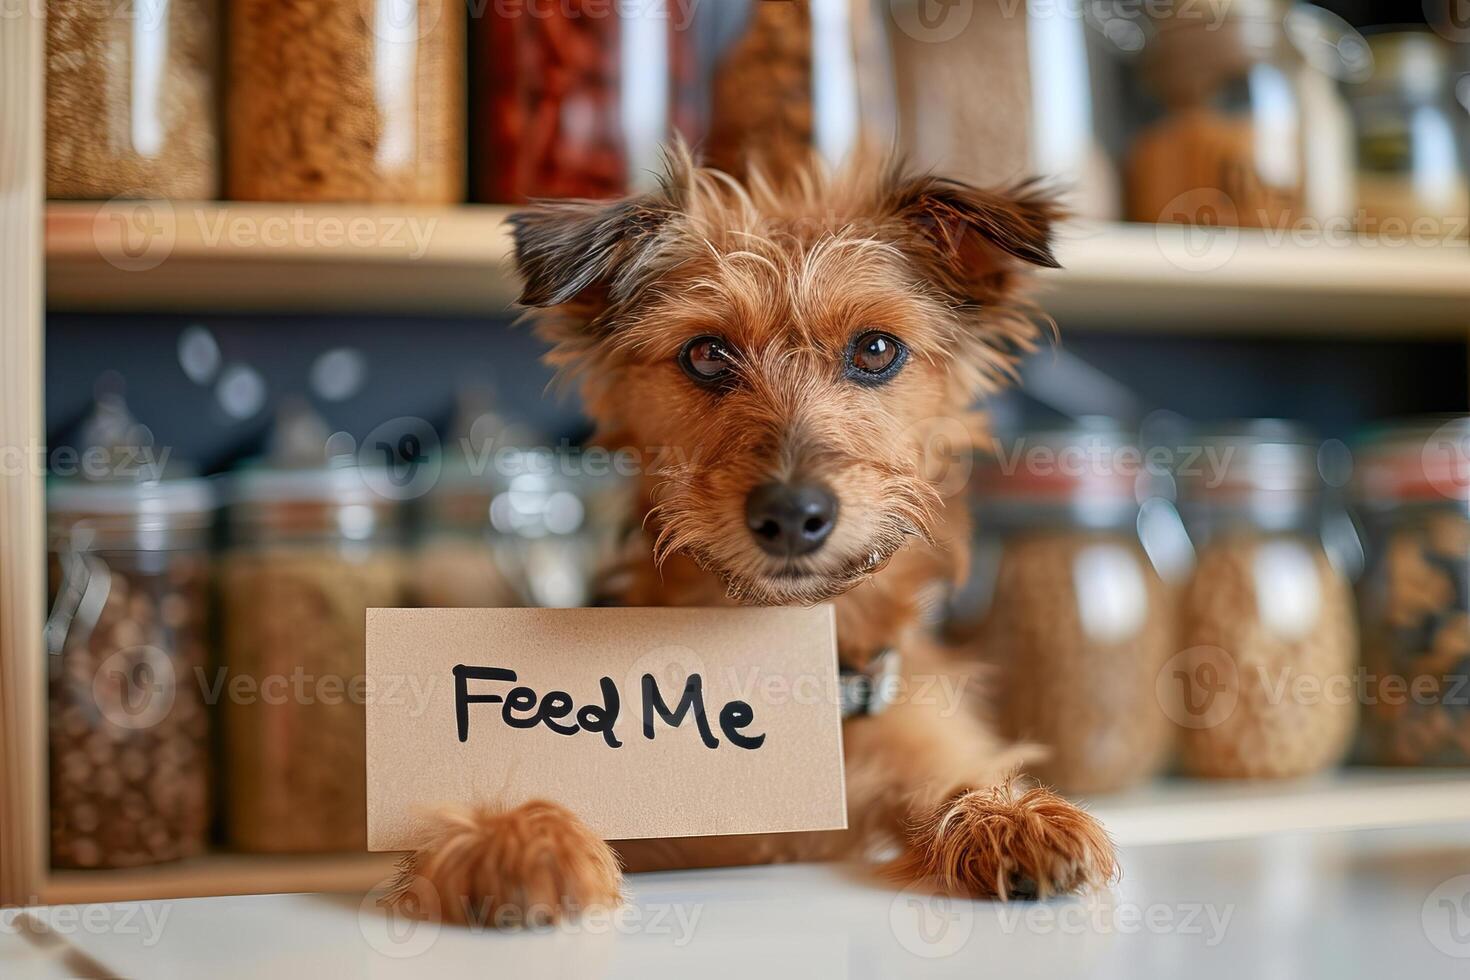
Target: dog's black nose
[790, 519]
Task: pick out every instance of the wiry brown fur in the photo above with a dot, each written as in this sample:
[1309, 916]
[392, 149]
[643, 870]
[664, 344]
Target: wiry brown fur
[788, 274]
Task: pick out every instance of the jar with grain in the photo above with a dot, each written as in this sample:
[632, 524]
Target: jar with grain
[1226, 146]
[1071, 608]
[1413, 495]
[309, 552]
[130, 99]
[346, 100]
[575, 99]
[786, 80]
[127, 648]
[557, 520]
[454, 562]
[1267, 673]
[1411, 154]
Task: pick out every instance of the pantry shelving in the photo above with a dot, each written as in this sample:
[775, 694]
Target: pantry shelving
[1173, 811]
[149, 256]
[202, 257]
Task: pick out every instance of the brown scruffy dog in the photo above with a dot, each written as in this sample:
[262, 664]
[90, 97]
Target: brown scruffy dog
[798, 346]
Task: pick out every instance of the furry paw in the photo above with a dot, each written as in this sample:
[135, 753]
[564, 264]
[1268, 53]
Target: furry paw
[997, 843]
[527, 866]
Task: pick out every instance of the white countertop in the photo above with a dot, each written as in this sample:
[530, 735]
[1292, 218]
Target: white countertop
[1379, 904]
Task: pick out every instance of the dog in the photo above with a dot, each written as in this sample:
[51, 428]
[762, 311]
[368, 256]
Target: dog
[796, 341]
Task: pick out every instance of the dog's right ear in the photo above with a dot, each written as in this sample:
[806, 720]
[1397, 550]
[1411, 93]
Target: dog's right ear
[588, 253]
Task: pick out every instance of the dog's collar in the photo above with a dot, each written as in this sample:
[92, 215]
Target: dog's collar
[870, 690]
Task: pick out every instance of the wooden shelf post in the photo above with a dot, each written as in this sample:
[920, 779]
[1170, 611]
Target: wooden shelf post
[22, 518]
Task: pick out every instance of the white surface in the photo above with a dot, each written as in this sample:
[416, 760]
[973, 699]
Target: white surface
[1356, 798]
[1368, 903]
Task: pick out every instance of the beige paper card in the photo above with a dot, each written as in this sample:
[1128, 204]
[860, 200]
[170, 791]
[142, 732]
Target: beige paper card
[643, 722]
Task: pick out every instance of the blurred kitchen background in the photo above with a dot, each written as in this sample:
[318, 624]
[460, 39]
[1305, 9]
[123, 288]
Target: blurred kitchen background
[1269, 278]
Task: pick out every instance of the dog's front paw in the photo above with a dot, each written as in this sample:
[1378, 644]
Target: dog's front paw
[1001, 843]
[527, 866]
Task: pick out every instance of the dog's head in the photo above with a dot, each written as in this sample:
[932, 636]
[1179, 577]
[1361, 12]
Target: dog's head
[790, 350]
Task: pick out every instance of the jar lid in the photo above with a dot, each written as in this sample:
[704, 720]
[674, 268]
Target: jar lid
[1252, 456]
[1092, 473]
[174, 496]
[258, 483]
[123, 514]
[1411, 62]
[1418, 460]
[554, 492]
[1193, 49]
[1056, 463]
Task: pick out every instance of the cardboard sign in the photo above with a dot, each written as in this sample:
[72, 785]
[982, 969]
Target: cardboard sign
[643, 722]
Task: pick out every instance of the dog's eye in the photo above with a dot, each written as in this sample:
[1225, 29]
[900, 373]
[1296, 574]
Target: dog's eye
[876, 355]
[706, 359]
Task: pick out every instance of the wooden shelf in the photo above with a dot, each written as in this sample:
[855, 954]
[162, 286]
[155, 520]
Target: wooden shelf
[1172, 811]
[214, 257]
[1184, 280]
[123, 255]
[223, 874]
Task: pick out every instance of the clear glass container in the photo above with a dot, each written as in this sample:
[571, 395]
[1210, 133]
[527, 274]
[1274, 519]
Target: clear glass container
[1070, 608]
[1226, 146]
[1265, 679]
[1410, 140]
[1074, 104]
[131, 100]
[127, 640]
[346, 100]
[309, 552]
[784, 80]
[454, 562]
[1413, 496]
[575, 99]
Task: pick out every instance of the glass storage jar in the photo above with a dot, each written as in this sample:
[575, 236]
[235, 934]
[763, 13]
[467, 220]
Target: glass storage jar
[454, 560]
[575, 99]
[1070, 607]
[1413, 496]
[785, 79]
[127, 643]
[309, 552]
[130, 99]
[1264, 685]
[556, 521]
[1410, 151]
[1226, 147]
[346, 100]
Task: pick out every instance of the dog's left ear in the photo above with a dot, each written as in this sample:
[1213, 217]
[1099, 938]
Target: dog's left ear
[975, 243]
[585, 252]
